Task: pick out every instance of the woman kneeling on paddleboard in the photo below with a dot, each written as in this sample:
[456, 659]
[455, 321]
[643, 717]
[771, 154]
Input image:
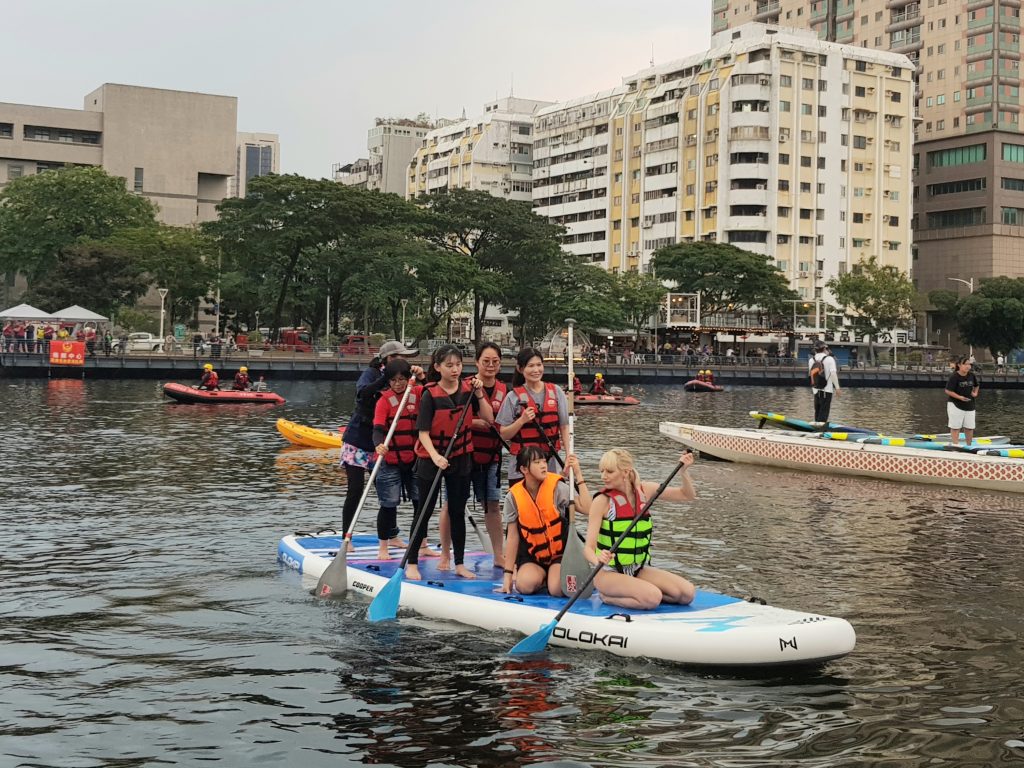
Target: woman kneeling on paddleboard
[634, 582]
[537, 524]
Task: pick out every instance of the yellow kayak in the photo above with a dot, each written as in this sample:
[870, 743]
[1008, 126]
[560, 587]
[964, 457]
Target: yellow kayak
[308, 437]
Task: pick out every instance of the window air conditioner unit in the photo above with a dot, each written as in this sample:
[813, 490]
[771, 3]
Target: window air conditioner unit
[818, 273]
[801, 274]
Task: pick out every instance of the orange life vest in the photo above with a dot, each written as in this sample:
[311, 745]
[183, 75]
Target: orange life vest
[547, 416]
[447, 409]
[541, 527]
[402, 448]
[486, 445]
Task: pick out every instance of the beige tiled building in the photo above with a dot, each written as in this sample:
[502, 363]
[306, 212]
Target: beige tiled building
[175, 147]
[772, 140]
[969, 151]
[391, 144]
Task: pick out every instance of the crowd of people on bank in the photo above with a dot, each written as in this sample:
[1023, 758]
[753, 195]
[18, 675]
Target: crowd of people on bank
[467, 433]
[30, 337]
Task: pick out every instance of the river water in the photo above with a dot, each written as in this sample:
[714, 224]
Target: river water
[144, 620]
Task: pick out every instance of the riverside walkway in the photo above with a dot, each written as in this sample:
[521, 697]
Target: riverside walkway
[329, 366]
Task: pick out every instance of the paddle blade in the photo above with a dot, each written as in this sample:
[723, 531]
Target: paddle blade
[575, 568]
[536, 642]
[334, 580]
[385, 605]
[485, 541]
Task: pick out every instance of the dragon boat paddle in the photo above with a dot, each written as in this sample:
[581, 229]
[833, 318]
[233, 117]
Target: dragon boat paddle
[538, 641]
[334, 580]
[385, 604]
[575, 565]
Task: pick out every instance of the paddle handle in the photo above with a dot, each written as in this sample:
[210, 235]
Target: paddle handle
[572, 420]
[618, 542]
[377, 463]
[422, 516]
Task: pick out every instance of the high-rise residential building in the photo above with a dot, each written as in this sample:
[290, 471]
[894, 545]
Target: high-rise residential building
[175, 147]
[492, 152]
[391, 144]
[257, 154]
[772, 140]
[969, 151]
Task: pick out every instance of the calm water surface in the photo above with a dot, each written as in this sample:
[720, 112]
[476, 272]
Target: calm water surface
[144, 620]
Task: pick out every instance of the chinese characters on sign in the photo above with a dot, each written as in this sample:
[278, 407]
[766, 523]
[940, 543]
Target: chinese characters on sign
[67, 353]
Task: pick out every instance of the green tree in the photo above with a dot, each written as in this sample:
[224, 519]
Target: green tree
[44, 216]
[640, 296]
[726, 277]
[508, 242]
[876, 297]
[993, 316]
[284, 222]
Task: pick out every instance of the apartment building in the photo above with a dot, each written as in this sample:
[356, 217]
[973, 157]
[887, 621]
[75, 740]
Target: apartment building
[257, 154]
[772, 140]
[175, 147]
[391, 144]
[969, 152]
[491, 152]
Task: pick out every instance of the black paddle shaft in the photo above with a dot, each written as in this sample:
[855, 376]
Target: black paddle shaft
[618, 542]
[422, 516]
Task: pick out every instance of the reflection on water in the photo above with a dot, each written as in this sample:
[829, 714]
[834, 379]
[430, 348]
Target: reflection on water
[145, 620]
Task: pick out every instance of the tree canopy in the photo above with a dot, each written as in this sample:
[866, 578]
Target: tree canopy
[45, 216]
[877, 297]
[992, 317]
[724, 275]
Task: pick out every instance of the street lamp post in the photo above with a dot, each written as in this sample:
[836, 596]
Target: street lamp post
[405, 303]
[163, 295]
[970, 285]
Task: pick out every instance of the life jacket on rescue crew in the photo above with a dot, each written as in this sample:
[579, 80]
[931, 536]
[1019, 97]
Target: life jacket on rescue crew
[447, 410]
[542, 530]
[635, 548]
[402, 448]
[547, 417]
[210, 380]
[242, 381]
[486, 444]
[597, 388]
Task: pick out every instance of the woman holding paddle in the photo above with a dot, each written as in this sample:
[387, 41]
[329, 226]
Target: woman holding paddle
[537, 518]
[445, 449]
[535, 412]
[631, 581]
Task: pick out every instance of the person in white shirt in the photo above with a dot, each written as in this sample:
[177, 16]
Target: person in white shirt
[824, 380]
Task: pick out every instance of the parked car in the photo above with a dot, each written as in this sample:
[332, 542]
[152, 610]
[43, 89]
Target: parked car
[138, 342]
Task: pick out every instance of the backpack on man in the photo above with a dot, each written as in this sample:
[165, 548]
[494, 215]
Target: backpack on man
[819, 379]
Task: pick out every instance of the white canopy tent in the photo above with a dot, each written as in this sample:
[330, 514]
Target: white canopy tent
[24, 312]
[77, 314]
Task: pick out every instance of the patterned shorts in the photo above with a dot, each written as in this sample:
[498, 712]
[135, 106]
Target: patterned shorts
[356, 457]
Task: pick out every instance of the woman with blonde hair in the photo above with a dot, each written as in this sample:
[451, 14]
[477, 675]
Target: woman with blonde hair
[630, 580]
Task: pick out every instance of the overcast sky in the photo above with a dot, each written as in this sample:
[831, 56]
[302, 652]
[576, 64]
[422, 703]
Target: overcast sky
[317, 72]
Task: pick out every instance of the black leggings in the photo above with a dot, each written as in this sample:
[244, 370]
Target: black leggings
[458, 494]
[356, 479]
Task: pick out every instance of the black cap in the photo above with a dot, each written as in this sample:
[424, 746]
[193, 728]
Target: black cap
[820, 346]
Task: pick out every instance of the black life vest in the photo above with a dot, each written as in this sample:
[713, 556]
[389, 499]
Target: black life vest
[447, 410]
[547, 417]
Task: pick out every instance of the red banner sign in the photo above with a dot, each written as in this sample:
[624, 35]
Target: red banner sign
[67, 353]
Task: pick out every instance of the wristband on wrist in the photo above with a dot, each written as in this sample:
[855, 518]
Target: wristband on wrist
[508, 571]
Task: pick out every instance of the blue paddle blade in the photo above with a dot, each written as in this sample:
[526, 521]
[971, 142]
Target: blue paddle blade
[385, 605]
[536, 642]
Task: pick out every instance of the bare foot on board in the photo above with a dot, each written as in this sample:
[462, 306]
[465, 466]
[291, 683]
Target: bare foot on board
[382, 551]
[412, 572]
[464, 572]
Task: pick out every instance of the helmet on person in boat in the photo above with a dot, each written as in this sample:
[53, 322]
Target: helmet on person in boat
[243, 369]
[598, 375]
[208, 367]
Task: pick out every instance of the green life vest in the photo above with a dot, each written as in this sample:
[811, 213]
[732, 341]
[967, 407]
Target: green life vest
[635, 548]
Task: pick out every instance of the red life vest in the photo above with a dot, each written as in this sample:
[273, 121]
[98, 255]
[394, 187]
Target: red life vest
[541, 527]
[486, 445]
[210, 380]
[547, 416]
[447, 409]
[402, 448]
[242, 381]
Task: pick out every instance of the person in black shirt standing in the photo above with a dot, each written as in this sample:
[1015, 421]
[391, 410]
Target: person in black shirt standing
[962, 390]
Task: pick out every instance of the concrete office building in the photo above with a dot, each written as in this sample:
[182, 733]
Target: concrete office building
[391, 143]
[772, 141]
[492, 152]
[175, 147]
[969, 151]
[257, 154]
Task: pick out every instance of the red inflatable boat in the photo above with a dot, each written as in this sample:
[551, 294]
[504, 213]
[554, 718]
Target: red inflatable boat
[588, 399]
[183, 393]
[696, 385]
